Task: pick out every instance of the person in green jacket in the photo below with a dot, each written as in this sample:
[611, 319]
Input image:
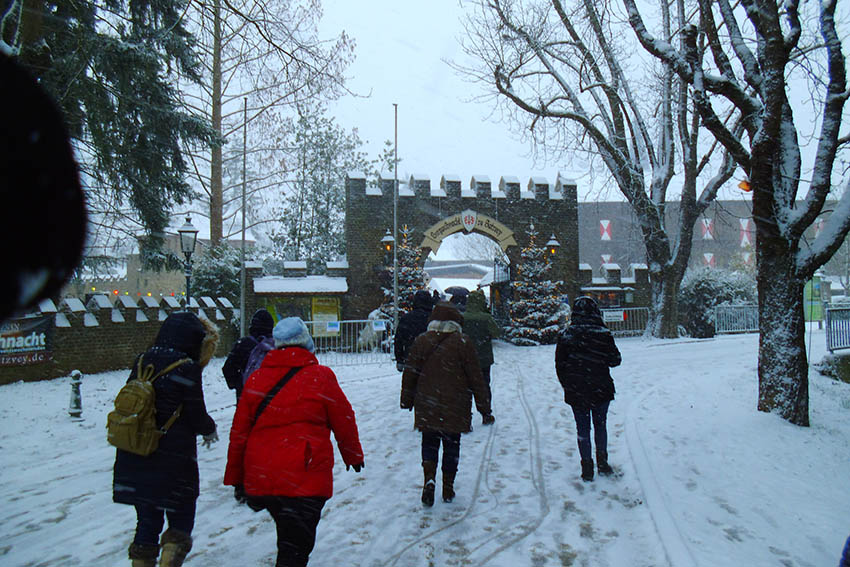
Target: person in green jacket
[482, 329]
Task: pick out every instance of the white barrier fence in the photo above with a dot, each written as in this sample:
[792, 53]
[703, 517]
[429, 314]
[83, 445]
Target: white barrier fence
[736, 319]
[348, 343]
[837, 328]
[627, 321]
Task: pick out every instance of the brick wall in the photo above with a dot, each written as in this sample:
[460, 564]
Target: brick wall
[103, 335]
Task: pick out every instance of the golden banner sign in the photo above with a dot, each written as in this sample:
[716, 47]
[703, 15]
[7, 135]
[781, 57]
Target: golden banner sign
[483, 225]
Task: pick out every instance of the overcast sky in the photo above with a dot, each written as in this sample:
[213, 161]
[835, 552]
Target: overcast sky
[400, 58]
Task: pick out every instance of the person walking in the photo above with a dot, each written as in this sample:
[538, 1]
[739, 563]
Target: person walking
[482, 329]
[234, 365]
[166, 482]
[440, 379]
[411, 325]
[280, 456]
[584, 354]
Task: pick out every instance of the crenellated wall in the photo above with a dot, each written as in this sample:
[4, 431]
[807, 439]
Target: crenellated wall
[552, 208]
[106, 333]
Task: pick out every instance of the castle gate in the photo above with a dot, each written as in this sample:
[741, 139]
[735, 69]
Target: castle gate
[502, 213]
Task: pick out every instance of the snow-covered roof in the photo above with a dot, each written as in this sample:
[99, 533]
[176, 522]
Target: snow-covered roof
[453, 177]
[295, 265]
[405, 190]
[127, 301]
[74, 304]
[339, 264]
[420, 177]
[307, 284]
[479, 179]
[225, 303]
[356, 174]
[47, 306]
[566, 180]
[610, 266]
[539, 180]
[638, 267]
[585, 267]
[101, 301]
[149, 301]
[510, 179]
[437, 191]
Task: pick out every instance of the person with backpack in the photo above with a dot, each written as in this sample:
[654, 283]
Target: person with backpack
[411, 325]
[280, 456]
[440, 379]
[234, 365]
[165, 483]
[583, 357]
[482, 329]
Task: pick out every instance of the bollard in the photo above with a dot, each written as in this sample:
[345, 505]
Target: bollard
[76, 407]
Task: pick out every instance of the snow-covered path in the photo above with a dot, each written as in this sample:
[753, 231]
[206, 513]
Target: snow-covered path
[706, 479]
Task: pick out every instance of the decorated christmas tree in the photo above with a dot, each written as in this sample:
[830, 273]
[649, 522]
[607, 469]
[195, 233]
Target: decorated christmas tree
[411, 276]
[535, 309]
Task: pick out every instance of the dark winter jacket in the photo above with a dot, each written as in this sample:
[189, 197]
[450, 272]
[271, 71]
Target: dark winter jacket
[413, 324]
[480, 326]
[168, 478]
[261, 327]
[288, 451]
[442, 375]
[584, 354]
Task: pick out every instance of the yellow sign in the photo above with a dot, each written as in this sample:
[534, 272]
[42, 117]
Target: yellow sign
[482, 224]
[325, 316]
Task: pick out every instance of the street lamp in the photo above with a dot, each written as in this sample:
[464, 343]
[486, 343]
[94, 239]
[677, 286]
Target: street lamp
[387, 243]
[188, 238]
[553, 245]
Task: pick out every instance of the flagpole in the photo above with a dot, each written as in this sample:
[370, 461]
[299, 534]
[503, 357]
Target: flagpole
[395, 223]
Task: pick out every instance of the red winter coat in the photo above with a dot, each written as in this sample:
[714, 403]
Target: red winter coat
[288, 452]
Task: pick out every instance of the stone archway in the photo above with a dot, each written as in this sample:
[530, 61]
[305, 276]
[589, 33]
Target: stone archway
[503, 213]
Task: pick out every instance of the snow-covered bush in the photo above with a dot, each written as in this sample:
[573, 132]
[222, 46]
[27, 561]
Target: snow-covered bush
[705, 288]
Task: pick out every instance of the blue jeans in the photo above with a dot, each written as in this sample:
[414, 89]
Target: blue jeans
[583, 416]
[149, 522]
[451, 449]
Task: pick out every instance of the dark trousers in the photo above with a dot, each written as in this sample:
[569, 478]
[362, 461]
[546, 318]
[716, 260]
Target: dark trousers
[451, 449]
[485, 371]
[149, 522]
[599, 416]
[296, 520]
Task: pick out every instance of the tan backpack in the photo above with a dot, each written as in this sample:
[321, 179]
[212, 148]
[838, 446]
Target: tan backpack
[131, 426]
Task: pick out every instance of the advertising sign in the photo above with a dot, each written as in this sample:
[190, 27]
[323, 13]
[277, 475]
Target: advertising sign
[325, 310]
[26, 341]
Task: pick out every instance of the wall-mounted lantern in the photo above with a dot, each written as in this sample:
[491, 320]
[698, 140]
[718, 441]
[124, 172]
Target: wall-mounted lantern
[553, 245]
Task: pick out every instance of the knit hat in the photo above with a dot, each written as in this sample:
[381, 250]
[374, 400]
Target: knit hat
[445, 311]
[262, 324]
[292, 332]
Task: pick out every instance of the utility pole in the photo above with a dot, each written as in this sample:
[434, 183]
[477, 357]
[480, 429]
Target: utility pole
[395, 224]
[242, 313]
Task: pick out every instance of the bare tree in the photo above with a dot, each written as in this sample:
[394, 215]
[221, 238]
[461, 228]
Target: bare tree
[270, 54]
[559, 71]
[747, 58]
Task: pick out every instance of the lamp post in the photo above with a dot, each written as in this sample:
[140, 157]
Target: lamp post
[188, 238]
[553, 245]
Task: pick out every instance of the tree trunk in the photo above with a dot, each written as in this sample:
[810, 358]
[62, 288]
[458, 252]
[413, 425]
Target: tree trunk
[216, 196]
[782, 368]
[664, 308]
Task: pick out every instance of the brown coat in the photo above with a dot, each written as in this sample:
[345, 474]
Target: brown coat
[440, 378]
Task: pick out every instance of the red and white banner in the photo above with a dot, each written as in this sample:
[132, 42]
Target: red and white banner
[605, 229]
[708, 229]
[708, 259]
[746, 232]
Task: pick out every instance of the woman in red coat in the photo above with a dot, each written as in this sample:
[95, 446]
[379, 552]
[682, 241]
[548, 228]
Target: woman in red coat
[283, 459]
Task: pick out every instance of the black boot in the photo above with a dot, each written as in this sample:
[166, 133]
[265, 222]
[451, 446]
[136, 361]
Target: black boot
[449, 486]
[587, 470]
[602, 465]
[430, 470]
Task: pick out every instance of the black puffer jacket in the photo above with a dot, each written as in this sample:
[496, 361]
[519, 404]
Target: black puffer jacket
[168, 478]
[413, 324]
[261, 327]
[584, 354]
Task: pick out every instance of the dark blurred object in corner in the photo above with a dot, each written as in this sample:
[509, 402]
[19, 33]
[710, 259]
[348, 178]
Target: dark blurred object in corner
[43, 215]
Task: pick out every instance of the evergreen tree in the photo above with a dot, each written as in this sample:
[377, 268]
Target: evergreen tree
[218, 273]
[411, 275]
[535, 308]
[110, 65]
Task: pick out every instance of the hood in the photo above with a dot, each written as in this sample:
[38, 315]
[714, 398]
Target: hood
[183, 332]
[262, 324]
[445, 311]
[476, 302]
[423, 300]
[586, 312]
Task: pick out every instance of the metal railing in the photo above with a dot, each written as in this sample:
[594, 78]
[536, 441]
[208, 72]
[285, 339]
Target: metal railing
[626, 321]
[348, 343]
[837, 328]
[736, 319]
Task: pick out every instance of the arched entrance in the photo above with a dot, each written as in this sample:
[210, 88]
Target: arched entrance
[503, 213]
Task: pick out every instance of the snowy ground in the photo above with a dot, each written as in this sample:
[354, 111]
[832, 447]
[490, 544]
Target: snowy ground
[706, 480]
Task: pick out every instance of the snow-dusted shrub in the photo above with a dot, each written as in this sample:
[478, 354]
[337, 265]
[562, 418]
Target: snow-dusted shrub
[705, 288]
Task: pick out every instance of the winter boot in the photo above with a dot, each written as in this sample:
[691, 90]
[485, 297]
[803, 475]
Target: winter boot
[602, 466]
[430, 469]
[143, 554]
[587, 470]
[449, 486]
[175, 547]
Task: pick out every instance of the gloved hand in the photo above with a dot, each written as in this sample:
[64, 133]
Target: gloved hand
[239, 493]
[399, 366]
[488, 419]
[357, 467]
[210, 439]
